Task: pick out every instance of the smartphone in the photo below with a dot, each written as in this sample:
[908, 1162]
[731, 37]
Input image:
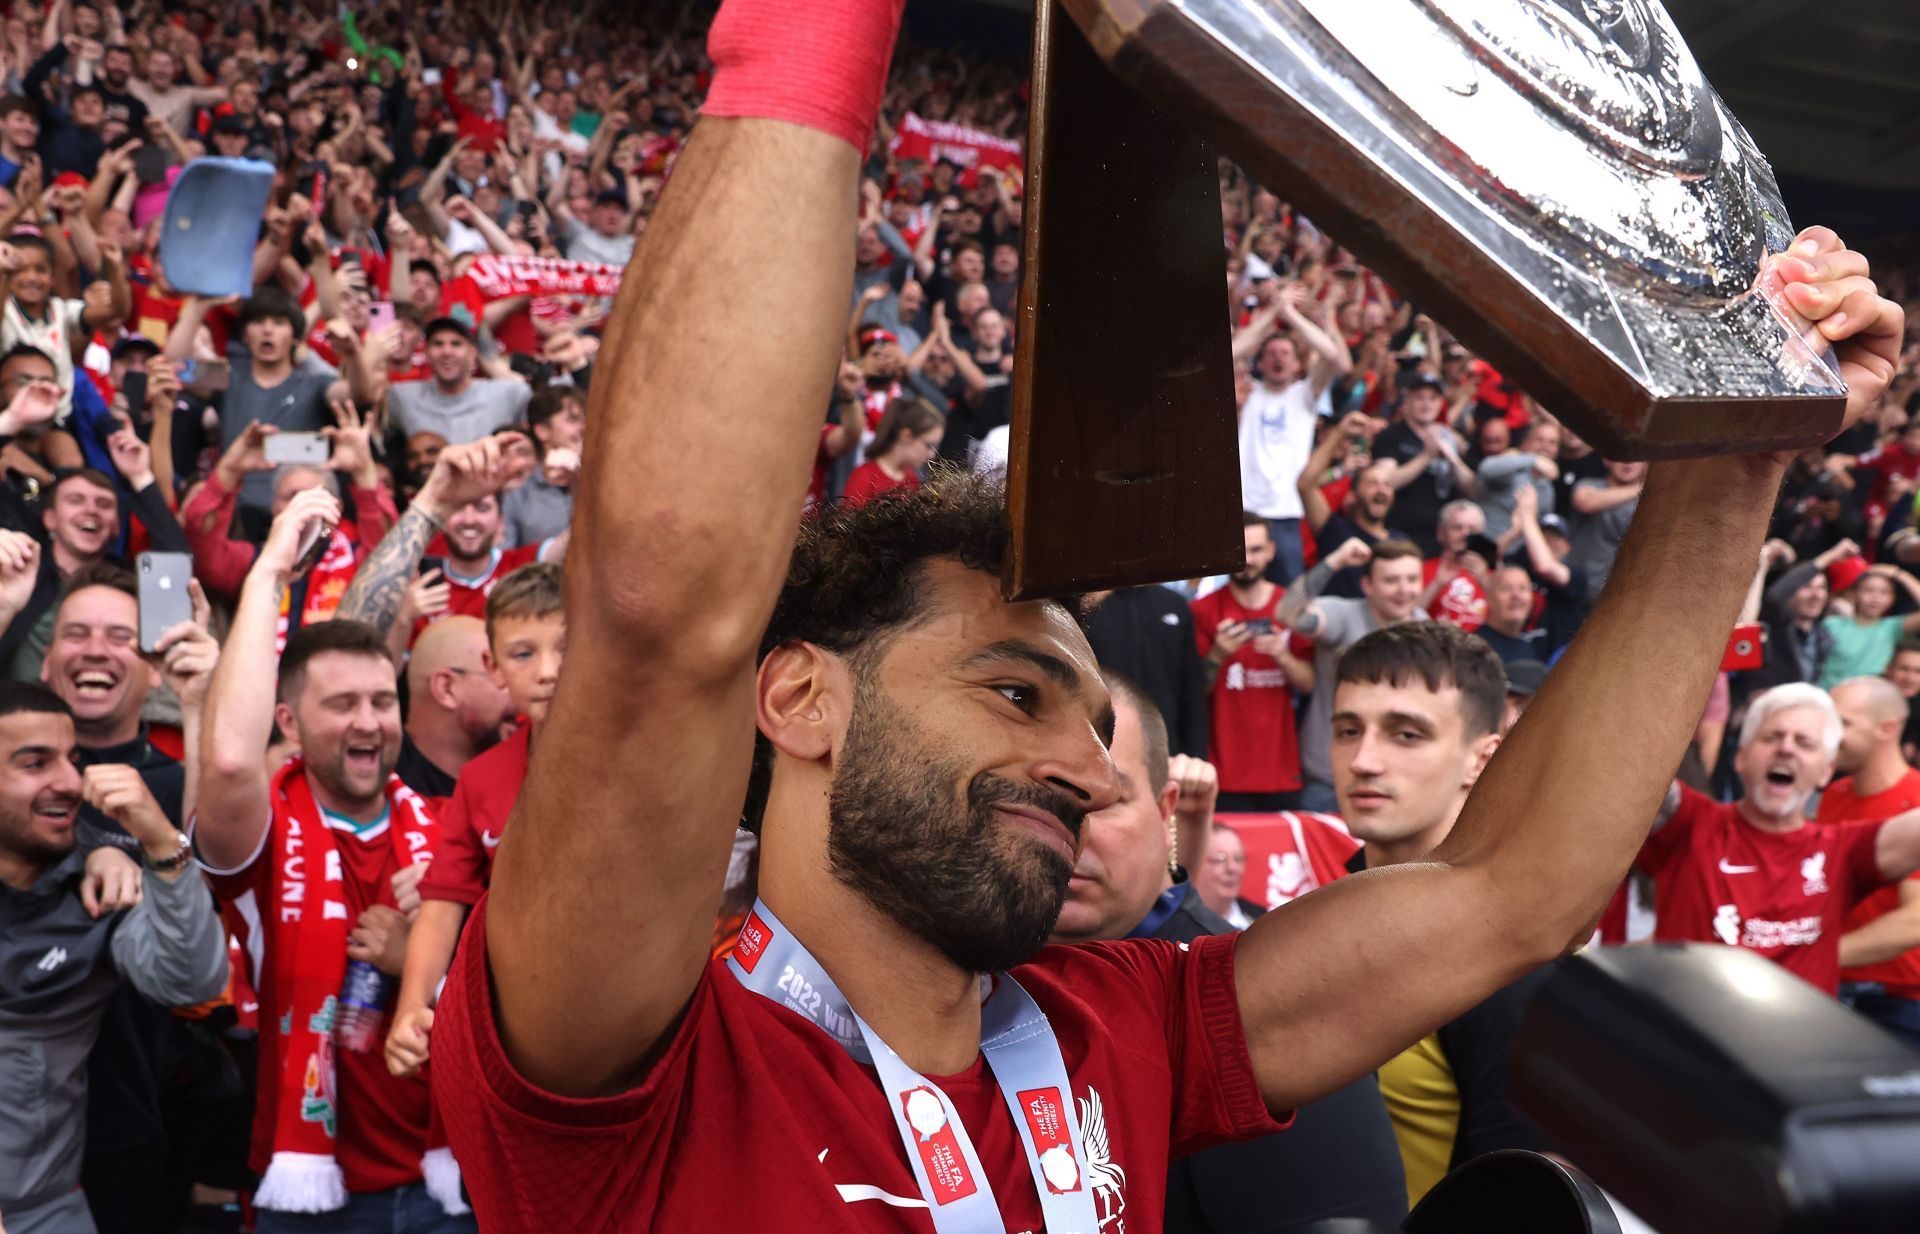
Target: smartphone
[379, 316]
[432, 563]
[134, 386]
[204, 377]
[165, 601]
[310, 449]
[1746, 649]
[313, 546]
[1257, 626]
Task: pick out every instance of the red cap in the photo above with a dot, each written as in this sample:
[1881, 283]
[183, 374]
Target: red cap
[69, 179]
[1845, 572]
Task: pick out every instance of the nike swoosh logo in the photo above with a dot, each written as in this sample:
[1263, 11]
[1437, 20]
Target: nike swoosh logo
[489, 839]
[850, 1192]
[1727, 869]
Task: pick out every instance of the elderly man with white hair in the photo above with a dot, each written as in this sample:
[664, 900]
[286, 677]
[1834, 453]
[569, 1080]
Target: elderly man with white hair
[1757, 873]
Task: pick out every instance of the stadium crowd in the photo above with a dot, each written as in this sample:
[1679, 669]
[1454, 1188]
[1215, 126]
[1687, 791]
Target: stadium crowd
[368, 462]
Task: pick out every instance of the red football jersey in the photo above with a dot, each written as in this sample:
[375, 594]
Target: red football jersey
[1720, 879]
[474, 820]
[753, 1119]
[468, 596]
[1463, 601]
[1255, 745]
[1901, 975]
[869, 481]
[383, 1120]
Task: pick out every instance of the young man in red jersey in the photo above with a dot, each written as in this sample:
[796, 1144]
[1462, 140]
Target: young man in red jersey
[1757, 873]
[526, 637]
[470, 546]
[1880, 952]
[926, 754]
[1253, 677]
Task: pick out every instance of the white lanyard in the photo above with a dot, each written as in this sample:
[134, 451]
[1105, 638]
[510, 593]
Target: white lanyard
[1021, 1049]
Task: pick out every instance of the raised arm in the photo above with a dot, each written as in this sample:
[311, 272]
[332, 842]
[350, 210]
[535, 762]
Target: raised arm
[1331, 446]
[642, 765]
[1526, 520]
[234, 808]
[1887, 936]
[1327, 357]
[1298, 610]
[461, 474]
[1566, 801]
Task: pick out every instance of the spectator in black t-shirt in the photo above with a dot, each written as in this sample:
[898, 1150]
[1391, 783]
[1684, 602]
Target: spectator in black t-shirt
[1545, 541]
[1147, 634]
[1430, 470]
[1363, 516]
[1509, 611]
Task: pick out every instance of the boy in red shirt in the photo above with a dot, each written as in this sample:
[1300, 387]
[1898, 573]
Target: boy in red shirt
[526, 637]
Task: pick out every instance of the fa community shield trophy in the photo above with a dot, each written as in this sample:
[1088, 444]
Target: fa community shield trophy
[1553, 179]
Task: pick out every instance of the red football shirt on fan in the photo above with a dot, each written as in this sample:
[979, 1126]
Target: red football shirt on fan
[1720, 879]
[383, 1121]
[1463, 601]
[1901, 975]
[474, 820]
[753, 1119]
[1255, 746]
[869, 481]
[468, 596]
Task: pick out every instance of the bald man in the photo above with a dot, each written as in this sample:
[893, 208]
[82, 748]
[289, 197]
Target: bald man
[1880, 951]
[455, 709]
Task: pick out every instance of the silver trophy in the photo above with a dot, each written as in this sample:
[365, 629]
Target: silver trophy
[1552, 179]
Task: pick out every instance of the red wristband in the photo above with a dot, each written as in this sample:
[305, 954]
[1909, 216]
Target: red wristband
[820, 63]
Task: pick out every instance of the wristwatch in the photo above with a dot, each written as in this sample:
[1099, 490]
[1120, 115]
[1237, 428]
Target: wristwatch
[168, 865]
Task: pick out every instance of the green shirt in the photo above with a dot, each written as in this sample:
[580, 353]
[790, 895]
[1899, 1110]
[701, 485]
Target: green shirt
[1859, 650]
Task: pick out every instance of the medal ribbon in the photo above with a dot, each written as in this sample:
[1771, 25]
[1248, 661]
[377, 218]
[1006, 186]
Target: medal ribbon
[1020, 1047]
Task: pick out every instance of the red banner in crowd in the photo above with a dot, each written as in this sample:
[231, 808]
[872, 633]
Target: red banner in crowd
[497, 277]
[1289, 853]
[972, 149]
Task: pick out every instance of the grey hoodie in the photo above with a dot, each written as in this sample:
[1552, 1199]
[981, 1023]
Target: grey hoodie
[57, 968]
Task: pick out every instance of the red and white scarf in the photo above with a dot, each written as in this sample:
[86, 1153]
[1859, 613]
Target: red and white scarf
[498, 276]
[308, 940]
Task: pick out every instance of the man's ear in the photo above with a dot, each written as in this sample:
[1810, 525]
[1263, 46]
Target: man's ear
[440, 686]
[283, 722]
[798, 702]
[1482, 751]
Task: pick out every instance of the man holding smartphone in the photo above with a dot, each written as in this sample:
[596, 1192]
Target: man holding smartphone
[1253, 677]
[97, 666]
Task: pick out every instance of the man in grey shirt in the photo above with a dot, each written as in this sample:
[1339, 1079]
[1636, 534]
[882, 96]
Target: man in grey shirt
[454, 403]
[606, 236]
[542, 507]
[1605, 509]
[63, 950]
[1391, 590]
[267, 382]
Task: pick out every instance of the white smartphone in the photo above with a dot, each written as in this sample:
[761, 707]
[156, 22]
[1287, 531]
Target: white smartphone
[308, 449]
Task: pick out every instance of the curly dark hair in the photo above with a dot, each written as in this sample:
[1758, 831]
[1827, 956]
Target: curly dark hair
[858, 577]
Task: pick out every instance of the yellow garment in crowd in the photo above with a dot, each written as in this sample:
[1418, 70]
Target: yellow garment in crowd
[1424, 1103]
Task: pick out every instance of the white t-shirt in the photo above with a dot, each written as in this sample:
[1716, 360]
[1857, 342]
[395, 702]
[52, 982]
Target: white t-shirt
[1276, 439]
